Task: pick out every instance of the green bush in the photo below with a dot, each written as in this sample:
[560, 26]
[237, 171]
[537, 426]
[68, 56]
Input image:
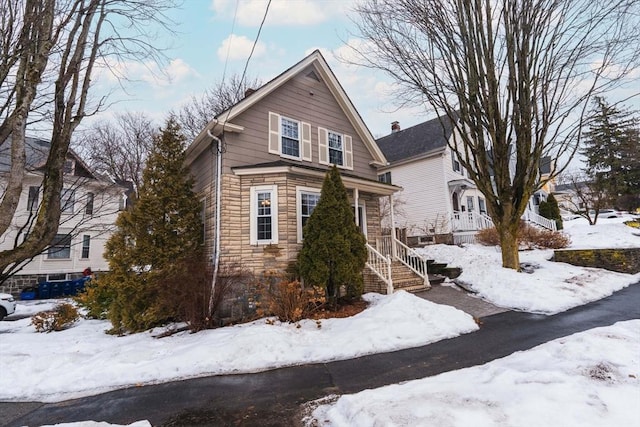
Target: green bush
[95, 299]
[58, 319]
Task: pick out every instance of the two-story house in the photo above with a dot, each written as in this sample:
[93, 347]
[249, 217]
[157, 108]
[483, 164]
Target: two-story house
[438, 201]
[259, 168]
[90, 205]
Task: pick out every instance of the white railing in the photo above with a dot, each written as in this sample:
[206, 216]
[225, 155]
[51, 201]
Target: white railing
[383, 244]
[468, 221]
[381, 266]
[537, 219]
[411, 259]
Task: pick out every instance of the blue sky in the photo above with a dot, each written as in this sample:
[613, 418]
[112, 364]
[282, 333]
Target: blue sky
[205, 32]
[293, 29]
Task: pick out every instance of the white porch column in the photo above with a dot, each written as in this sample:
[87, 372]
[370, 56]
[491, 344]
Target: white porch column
[393, 227]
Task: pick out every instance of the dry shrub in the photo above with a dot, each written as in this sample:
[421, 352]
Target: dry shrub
[186, 291]
[488, 237]
[58, 319]
[529, 237]
[290, 301]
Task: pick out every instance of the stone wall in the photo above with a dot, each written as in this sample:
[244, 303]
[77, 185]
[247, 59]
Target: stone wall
[620, 260]
[15, 284]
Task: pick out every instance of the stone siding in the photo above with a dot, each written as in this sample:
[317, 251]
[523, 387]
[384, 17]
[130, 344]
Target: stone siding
[620, 260]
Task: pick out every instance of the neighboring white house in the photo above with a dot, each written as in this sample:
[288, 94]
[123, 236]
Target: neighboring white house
[90, 205]
[439, 202]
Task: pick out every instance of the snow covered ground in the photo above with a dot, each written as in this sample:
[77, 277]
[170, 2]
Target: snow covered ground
[84, 360]
[552, 287]
[63, 365]
[589, 379]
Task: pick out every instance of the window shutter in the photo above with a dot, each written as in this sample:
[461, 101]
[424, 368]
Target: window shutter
[306, 142]
[274, 133]
[348, 152]
[323, 150]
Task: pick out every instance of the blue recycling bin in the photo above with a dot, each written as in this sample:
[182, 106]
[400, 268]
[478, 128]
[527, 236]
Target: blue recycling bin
[44, 290]
[56, 289]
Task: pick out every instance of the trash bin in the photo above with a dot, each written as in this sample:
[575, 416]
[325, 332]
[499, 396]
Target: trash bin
[44, 290]
[28, 294]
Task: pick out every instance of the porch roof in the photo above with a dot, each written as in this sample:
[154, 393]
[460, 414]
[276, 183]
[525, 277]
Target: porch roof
[350, 181]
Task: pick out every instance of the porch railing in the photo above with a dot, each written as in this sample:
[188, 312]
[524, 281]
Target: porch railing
[403, 253]
[381, 266]
[538, 219]
[411, 259]
[468, 221]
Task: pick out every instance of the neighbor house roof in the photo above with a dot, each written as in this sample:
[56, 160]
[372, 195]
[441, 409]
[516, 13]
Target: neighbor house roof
[36, 153]
[223, 121]
[416, 141]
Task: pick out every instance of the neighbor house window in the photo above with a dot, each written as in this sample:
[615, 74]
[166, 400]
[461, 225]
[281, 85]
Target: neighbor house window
[88, 209]
[32, 201]
[307, 200]
[482, 206]
[56, 277]
[86, 243]
[290, 135]
[67, 199]
[60, 247]
[264, 215]
[470, 206]
[385, 177]
[455, 164]
[335, 148]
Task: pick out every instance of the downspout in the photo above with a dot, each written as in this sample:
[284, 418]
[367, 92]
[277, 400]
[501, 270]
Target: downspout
[216, 256]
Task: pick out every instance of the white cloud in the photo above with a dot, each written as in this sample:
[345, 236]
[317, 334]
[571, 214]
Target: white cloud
[281, 12]
[239, 48]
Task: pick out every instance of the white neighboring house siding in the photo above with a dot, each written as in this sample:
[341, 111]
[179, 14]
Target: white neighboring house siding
[98, 226]
[424, 193]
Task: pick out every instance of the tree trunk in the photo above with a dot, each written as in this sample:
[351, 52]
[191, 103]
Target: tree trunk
[509, 245]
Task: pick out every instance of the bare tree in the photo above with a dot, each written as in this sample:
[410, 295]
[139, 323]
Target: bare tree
[50, 48]
[514, 76]
[586, 194]
[119, 148]
[199, 111]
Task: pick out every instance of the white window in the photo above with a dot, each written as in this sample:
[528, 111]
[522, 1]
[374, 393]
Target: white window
[88, 208]
[289, 138]
[306, 201]
[385, 177]
[86, 244]
[335, 149]
[470, 206]
[60, 247]
[32, 201]
[67, 200]
[455, 164]
[482, 206]
[264, 215]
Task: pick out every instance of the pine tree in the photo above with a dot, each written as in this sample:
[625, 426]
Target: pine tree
[612, 150]
[550, 210]
[333, 253]
[154, 238]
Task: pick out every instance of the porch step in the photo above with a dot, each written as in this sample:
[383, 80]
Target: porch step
[436, 279]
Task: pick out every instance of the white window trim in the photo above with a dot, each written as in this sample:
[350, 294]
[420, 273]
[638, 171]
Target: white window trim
[288, 156]
[253, 214]
[299, 191]
[64, 209]
[275, 138]
[323, 148]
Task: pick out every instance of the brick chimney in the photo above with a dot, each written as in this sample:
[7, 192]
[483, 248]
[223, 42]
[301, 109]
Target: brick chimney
[395, 126]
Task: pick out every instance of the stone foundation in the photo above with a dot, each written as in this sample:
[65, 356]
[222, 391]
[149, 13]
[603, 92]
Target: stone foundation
[620, 260]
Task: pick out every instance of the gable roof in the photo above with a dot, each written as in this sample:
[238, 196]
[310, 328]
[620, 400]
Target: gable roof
[424, 138]
[36, 153]
[223, 121]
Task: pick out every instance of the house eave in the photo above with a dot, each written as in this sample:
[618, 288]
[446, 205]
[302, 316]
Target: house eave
[350, 182]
